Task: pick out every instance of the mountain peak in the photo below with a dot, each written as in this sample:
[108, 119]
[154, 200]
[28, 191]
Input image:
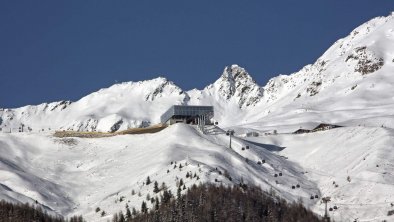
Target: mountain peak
[235, 73]
[160, 86]
[236, 83]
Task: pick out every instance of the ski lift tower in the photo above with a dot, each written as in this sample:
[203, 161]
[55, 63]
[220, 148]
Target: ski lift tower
[325, 200]
[230, 133]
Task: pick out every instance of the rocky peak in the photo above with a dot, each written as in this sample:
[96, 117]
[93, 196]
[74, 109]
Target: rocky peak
[235, 82]
[158, 87]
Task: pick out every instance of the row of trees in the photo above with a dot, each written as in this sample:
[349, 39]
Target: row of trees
[10, 212]
[211, 203]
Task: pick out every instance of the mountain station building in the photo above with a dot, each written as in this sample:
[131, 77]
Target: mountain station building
[196, 115]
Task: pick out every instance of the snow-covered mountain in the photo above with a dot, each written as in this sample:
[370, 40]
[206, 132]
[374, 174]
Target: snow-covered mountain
[351, 84]
[136, 104]
[121, 106]
[354, 73]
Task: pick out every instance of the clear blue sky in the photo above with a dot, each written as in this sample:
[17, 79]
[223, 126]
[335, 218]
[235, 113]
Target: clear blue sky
[54, 50]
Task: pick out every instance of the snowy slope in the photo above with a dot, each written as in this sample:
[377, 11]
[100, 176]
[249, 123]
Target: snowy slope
[365, 154]
[121, 106]
[353, 75]
[74, 176]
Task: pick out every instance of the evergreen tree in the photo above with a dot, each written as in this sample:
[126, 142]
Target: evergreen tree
[148, 181]
[157, 204]
[156, 187]
[115, 218]
[178, 194]
[121, 217]
[163, 186]
[128, 213]
[166, 196]
[144, 209]
[133, 212]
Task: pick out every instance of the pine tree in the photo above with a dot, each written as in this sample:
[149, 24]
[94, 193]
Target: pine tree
[157, 203]
[121, 217]
[163, 186]
[166, 196]
[148, 181]
[115, 218]
[133, 212]
[178, 194]
[156, 187]
[128, 213]
[144, 209]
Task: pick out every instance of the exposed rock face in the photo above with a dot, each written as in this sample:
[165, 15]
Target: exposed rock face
[162, 87]
[61, 105]
[313, 89]
[364, 60]
[236, 83]
[116, 126]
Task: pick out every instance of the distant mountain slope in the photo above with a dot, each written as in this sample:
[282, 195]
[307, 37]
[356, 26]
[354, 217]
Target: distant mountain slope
[356, 73]
[121, 106]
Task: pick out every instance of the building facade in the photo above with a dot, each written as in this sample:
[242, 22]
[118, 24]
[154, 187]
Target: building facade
[196, 115]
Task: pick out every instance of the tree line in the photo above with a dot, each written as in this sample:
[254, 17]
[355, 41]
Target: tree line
[11, 212]
[205, 202]
[212, 203]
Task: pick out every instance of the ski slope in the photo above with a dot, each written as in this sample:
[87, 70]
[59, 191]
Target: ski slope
[365, 154]
[76, 175]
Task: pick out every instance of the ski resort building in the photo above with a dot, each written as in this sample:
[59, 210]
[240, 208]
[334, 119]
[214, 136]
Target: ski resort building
[320, 127]
[301, 131]
[324, 126]
[196, 115]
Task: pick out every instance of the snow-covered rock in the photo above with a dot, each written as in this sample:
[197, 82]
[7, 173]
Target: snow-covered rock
[236, 84]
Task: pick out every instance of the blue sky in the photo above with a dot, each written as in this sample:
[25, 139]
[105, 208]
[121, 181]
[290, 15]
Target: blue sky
[55, 50]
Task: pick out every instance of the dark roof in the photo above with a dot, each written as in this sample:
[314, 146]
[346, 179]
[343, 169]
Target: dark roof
[299, 131]
[322, 125]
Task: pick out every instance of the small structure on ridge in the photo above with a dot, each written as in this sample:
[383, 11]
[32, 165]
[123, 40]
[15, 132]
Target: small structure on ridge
[195, 115]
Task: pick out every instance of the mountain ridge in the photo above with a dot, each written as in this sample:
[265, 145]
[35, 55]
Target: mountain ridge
[352, 64]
